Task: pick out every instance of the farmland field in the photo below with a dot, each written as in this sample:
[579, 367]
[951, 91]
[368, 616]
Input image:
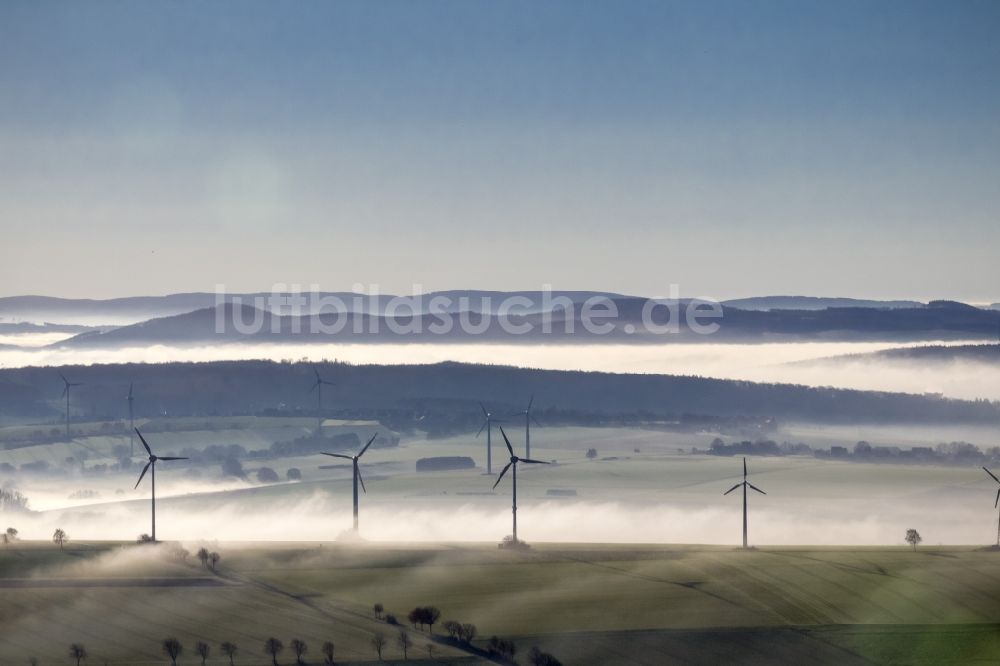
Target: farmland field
[644, 486]
[586, 604]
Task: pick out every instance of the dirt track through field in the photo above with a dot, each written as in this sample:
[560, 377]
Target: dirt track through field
[111, 582]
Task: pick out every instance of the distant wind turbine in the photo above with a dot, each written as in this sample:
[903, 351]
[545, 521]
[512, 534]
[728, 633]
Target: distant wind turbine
[528, 418]
[513, 463]
[995, 503]
[357, 474]
[746, 484]
[318, 386]
[131, 421]
[65, 394]
[152, 476]
[488, 425]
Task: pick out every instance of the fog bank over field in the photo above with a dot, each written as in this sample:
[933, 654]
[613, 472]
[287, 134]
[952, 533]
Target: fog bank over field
[942, 514]
[772, 362]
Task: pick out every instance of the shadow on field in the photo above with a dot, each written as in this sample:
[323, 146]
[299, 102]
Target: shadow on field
[844, 645]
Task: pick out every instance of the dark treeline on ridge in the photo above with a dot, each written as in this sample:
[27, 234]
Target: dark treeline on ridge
[360, 391]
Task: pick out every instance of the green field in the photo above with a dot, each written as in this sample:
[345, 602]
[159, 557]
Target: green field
[586, 604]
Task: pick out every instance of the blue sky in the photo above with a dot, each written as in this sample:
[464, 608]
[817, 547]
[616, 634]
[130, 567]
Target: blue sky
[733, 148]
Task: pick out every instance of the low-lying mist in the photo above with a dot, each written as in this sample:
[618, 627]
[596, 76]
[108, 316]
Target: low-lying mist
[783, 362]
[774, 520]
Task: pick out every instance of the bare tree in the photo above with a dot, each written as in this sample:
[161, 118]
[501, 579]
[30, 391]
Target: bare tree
[203, 556]
[273, 647]
[230, 650]
[202, 650]
[379, 609]
[172, 648]
[453, 628]
[378, 642]
[59, 537]
[299, 648]
[78, 652]
[591, 454]
[913, 538]
[10, 536]
[327, 651]
[468, 633]
[431, 615]
[538, 658]
[404, 642]
[213, 559]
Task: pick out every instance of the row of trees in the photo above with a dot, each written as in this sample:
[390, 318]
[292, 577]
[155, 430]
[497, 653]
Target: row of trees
[458, 633]
[463, 633]
[173, 649]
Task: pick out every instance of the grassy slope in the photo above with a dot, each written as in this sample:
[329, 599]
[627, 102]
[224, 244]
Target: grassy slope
[587, 604]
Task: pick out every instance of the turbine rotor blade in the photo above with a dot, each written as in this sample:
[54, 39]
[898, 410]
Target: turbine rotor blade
[997, 502]
[482, 427]
[171, 458]
[143, 440]
[534, 462]
[507, 442]
[337, 455]
[732, 489]
[143, 474]
[65, 391]
[991, 474]
[501, 475]
[756, 488]
[532, 400]
[361, 479]
[744, 467]
[367, 445]
[483, 407]
[536, 421]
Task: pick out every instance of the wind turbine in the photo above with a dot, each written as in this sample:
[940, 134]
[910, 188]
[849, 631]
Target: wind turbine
[152, 476]
[996, 503]
[746, 484]
[65, 394]
[131, 421]
[357, 475]
[513, 463]
[488, 424]
[319, 399]
[528, 418]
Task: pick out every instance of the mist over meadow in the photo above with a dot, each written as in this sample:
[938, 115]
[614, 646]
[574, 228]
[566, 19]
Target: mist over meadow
[776, 520]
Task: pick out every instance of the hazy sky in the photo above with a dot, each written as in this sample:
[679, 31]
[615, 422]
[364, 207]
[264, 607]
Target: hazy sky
[732, 148]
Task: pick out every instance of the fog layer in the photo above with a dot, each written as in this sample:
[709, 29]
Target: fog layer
[320, 517]
[774, 362]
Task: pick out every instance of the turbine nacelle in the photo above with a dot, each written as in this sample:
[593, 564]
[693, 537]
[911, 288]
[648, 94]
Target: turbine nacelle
[152, 458]
[354, 459]
[514, 459]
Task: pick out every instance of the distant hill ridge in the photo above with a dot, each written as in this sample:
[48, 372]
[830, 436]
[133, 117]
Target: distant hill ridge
[981, 353]
[939, 321]
[813, 303]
